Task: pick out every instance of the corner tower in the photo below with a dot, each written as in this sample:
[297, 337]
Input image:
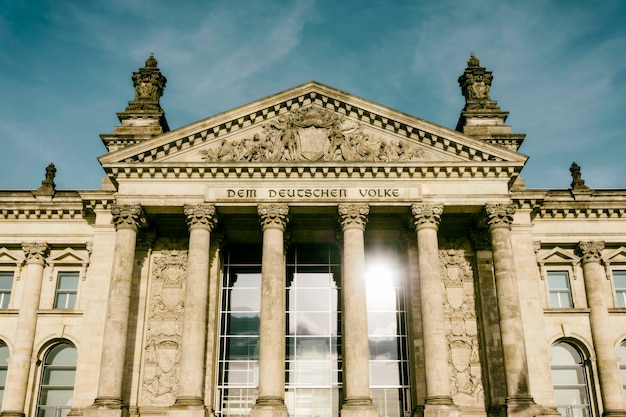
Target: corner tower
[143, 118]
[481, 118]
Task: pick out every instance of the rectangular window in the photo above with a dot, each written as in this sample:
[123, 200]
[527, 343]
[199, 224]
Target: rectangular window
[560, 293]
[67, 287]
[6, 284]
[619, 279]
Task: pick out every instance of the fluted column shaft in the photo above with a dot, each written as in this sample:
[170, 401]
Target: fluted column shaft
[426, 219]
[271, 400]
[601, 331]
[499, 218]
[356, 378]
[127, 221]
[21, 357]
[201, 220]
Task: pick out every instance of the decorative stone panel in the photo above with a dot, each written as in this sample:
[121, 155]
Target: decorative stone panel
[461, 324]
[163, 339]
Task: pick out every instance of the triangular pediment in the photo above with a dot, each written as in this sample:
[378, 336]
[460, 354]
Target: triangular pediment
[68, 256]
[313, 124]
[558, 255]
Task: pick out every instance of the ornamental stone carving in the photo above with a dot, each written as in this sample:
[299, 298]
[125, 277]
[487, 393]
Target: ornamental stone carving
[35, 252]
[201, 215]
[591, 251]
[461, 323]
[475, 85]
[353, 215]
[426, 215]
[273, 215]
[149, 84]
[499, 215]
[164, 321]
[312, 134]
[127, 216]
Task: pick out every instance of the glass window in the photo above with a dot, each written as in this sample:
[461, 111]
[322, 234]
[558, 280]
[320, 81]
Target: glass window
[240, 326]
[619, 279]
[4, 364]
[386, 321]
[57, 381]
[622, 366]
[67, 288]
[569, 379]
[560, 293]
[6, 284]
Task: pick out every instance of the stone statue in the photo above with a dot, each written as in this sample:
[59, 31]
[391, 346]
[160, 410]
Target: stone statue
[577, 181]
[476, 84]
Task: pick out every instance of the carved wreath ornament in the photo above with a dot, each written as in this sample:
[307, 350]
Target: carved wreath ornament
[312, 134]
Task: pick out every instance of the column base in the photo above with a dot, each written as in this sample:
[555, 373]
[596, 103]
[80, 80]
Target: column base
[441, 410]
[523, 406]
[188, 407]
[11, 414]
[359, 407]
[269, 407]
[614, 413]
[107, 407]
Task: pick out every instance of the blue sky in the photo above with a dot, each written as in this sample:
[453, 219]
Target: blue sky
[559, 68]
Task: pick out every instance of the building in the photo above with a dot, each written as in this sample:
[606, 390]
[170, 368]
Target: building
[308, 254]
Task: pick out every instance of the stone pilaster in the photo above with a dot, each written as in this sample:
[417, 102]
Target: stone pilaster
[271, 400]
[21, 358]
[356, 379]
[201, 220]
[438, 401]
[499, 218]
[601, 331]
[127, 219]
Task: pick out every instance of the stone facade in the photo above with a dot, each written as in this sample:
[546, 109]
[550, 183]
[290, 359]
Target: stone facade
[178, 287]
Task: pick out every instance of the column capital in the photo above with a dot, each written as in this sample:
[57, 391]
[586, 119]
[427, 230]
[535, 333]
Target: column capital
[35, 252]
[200, 215]
[426, 215]
[499, 215]
[353, 215]
[273, 216]
[591, 251]
[128, 216]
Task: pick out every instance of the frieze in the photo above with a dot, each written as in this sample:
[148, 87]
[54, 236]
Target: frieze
[312, 134]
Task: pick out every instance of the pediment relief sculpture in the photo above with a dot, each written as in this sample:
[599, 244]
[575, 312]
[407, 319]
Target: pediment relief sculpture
[312, 134]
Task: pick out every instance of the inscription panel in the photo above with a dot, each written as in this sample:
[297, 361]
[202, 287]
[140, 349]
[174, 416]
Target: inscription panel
[313, 194]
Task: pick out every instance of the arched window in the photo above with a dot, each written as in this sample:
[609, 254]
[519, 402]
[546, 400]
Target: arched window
[622, 366]
[569, 378]
[57, 381]
[4, 363]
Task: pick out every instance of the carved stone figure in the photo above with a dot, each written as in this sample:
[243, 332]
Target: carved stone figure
[149, 84]
[577, 180]
[475, 85]
[311, 134]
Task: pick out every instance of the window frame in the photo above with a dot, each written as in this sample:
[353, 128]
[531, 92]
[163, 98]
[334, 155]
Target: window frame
[622, 269]
[587, 376]
[42, 374]
[552, 269]
[57, 274]
[4, 367]
[10, 291]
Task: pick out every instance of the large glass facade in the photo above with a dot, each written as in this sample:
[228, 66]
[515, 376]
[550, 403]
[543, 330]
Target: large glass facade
[313, 379]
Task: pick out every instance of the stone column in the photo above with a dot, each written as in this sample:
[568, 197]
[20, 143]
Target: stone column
[271, 400]
[21, 357]
[127, 220]
[356, 378]
[201, 220]
[438, 401]
[518, 400]
[601, 331]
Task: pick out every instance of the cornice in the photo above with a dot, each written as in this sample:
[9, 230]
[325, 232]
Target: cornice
[65, 205]
[462, 170]
[555, 204]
